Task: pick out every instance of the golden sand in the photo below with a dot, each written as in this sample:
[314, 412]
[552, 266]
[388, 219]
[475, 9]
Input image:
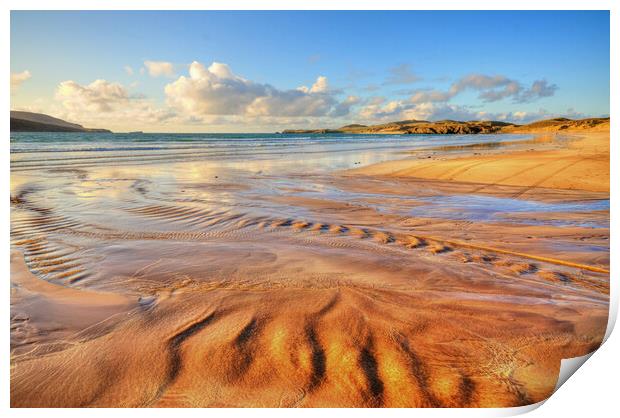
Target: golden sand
[181, 302]
[580, 164]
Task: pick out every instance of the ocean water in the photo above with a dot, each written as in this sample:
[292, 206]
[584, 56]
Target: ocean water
[331, 151]
[261, 168]
[491, 208]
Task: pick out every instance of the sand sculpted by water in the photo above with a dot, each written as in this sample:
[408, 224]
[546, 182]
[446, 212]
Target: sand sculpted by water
[300, 289]
[581, 164]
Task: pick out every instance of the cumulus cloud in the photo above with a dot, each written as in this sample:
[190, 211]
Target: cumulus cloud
[107, 104]
[211, 95]
[18, 78]
[217, 90]
[159, 68]
[431, 96]
[290, 103]
[344, 108]
[217, 96]
[380, 110]
[212, 91]
[490, 88]
[441, 111]
[98, 96]
[539, 88]
[510, 89]
[479, 82]
[499, 87]
[526, 117]
[401, 74]
[319, 86]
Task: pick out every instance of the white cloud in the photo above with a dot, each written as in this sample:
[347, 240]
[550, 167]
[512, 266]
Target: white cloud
[212, 96]
[344, 108]
[38, 105]
[216, 90]
[107, 104]
[499, 87]
[320, 86]
[527, 117]
[98, 96]
[510, 89]
[212, 91]
[159, 68]
[18, 78]
[215, 96]
[377, 110]
[490, 88]
[479, 82]
[441, 111]
[539, 88]
[290, 103]
[431, 96]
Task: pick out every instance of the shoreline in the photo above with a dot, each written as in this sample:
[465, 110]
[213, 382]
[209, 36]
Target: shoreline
[197, 284]
[581, 163]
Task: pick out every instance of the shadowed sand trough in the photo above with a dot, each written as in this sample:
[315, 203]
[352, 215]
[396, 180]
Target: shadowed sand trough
[255, 289]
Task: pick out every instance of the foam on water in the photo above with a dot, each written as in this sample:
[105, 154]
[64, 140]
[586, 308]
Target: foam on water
[332, 151]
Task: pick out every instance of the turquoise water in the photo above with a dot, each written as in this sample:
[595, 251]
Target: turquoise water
[267, 165]
[330, 151]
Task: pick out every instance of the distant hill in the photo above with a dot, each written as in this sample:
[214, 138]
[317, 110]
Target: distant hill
[561, 124]
[38, 122]
[458, 127]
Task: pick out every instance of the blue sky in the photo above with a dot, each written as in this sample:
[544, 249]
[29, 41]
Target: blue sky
[373, 67]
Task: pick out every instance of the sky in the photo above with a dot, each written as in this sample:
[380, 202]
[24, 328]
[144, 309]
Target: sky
[265, 71]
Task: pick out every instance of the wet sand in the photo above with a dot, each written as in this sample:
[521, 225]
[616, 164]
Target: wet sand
[193, 284]
[580, 164]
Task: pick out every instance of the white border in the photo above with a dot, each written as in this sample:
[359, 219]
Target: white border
[309, 5]
[591, 392]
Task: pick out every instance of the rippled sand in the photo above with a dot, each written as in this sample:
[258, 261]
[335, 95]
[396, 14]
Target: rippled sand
[580, 164]
[210, 284]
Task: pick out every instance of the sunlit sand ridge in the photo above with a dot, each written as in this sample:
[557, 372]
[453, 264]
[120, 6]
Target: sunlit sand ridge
[252, 283]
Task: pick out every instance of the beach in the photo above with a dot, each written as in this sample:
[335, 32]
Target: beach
[580, 164]
[305, 270]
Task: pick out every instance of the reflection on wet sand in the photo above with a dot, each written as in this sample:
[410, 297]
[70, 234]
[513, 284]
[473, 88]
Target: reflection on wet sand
[272, 281]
